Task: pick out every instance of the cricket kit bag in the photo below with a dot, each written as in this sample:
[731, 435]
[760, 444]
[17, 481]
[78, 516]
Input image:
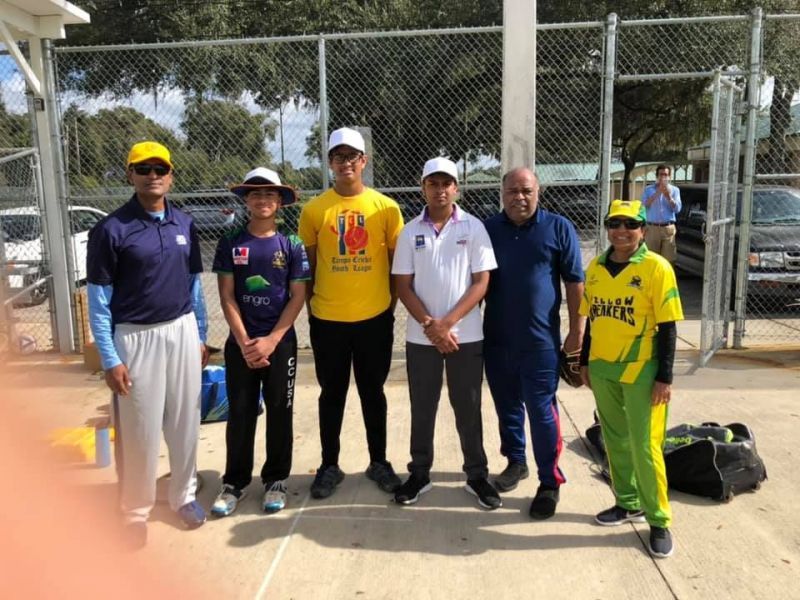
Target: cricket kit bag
[704, 460]
[214, 395]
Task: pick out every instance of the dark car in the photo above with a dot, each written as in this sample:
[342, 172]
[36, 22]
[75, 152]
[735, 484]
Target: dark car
[213, 217]
[774, 253]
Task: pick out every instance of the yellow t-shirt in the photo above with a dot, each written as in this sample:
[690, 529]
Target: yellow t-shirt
[624, 311]
[353, 237]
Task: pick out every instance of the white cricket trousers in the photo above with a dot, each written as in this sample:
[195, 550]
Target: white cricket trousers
[163, 360]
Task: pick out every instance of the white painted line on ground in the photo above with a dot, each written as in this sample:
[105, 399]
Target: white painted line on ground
[279, 554]
[343, 518]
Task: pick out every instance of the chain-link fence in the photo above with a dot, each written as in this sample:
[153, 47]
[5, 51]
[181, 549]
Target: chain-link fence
[26, 319]
[225, 106]
[773, 261]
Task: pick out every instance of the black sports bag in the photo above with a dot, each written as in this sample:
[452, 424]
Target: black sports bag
[706, 460]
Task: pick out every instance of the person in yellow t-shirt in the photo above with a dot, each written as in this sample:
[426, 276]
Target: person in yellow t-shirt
[350, 232]
[632, 302]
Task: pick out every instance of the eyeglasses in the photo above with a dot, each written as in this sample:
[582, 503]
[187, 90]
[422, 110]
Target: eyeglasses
[341, 159]
[145, 169]
[628, 224]
[517, 191]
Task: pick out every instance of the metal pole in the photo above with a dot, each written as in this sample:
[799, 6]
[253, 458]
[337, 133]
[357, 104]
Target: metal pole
[607, 126]
[753, 92]
[54, 227]
[323, 115]
[518, 127]
[707, 312]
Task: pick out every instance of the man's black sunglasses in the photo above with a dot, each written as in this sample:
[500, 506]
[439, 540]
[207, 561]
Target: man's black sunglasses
[145, 169]
[628, 223]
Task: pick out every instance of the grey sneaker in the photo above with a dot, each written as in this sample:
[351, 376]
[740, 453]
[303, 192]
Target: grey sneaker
[227, 501]
[328, 477]
[275, 497]
[616, 515]
[383, 474]
[660, 542]
[511, 476]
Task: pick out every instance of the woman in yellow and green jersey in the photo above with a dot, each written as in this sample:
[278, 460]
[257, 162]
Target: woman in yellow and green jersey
[632, 303]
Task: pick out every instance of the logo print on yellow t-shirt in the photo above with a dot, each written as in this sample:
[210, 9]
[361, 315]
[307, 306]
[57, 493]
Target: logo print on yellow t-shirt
[352, 234]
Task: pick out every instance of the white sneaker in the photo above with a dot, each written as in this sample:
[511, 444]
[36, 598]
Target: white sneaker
[275, 497]
[227, 501]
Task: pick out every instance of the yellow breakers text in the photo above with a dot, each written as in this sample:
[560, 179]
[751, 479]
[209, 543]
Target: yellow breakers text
[620, 309]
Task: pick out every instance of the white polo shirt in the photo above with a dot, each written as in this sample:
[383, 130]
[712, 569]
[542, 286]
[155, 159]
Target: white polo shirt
[442, 265]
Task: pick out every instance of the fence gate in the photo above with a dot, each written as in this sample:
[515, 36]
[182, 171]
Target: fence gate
[720, 224]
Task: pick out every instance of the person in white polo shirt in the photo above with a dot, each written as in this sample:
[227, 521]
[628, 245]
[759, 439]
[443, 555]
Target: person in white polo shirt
[441, 269]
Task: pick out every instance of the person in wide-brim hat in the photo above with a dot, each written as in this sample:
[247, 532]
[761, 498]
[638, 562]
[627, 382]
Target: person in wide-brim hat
[260, 178]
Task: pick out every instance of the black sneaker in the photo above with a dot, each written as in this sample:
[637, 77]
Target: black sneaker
[135, 535]
[383, 474]
[412, 489]
[486, 494]
[544, 503]
[660, 542]
[328, 477]
[616, 515]
[511, 476]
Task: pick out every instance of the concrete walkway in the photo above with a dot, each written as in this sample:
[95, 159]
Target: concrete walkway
[357, 544]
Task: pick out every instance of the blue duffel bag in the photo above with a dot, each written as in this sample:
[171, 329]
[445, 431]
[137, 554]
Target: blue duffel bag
[214, 395]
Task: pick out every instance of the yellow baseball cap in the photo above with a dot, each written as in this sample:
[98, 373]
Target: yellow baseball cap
[632, 209]
[148, 150]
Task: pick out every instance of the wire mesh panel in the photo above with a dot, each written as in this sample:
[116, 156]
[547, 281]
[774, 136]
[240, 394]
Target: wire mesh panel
[773, 278]
[25, 311]
[682, 46]
[569, 119]
[221, 109]
[720, 217]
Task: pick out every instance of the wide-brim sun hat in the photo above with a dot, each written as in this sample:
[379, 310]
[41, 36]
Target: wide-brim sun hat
[628, 209]
[263, 178]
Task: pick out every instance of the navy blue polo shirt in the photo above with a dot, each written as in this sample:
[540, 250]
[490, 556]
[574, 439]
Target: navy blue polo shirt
[148, 261]
[524, 297]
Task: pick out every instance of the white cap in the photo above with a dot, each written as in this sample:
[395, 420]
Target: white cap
[347, 137]
[440, 164]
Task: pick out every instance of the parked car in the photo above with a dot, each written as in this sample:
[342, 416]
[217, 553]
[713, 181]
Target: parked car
[215, 217]
[24, 249]
[774, 253]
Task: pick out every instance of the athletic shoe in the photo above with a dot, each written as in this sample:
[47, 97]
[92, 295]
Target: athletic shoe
[192, 514]
[227, 501]
[616, 515]
[326, 481]
[487, 496]
[135, 535]
[412, 489]
[544, 503]
[511, 476]
[660, 542]
[275, 497]
[383, 474]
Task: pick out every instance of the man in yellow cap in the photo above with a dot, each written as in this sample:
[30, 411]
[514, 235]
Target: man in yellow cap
[148, 318]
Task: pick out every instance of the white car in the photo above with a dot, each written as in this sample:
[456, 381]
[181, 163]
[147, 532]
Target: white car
[24, 249]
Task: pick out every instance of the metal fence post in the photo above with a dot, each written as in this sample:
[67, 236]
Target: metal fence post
[753, 93]
[323, 115]
[609, 71]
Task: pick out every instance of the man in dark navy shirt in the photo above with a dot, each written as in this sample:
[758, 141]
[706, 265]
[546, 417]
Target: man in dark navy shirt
[536, 251]
[148, 318]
